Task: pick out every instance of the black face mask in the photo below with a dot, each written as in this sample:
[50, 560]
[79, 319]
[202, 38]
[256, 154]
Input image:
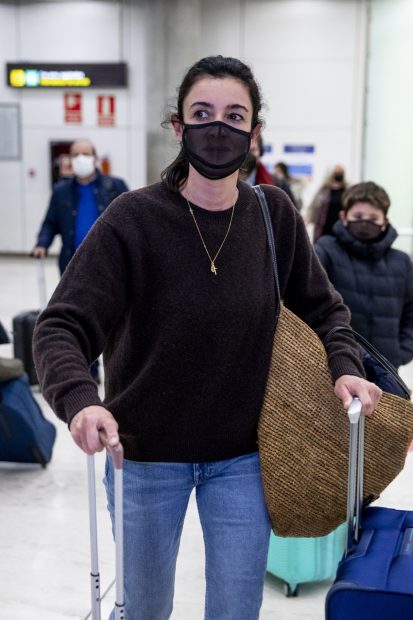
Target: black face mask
[365, 230]
[339, 176]
[215, 149]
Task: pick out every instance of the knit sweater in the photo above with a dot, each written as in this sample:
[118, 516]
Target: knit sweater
[186, 352]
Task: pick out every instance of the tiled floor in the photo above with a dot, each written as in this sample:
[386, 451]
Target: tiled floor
[44, 549]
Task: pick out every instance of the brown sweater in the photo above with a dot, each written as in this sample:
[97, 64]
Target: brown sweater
[186, 352]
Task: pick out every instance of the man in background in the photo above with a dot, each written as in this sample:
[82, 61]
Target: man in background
[76, 203]
[74, 207]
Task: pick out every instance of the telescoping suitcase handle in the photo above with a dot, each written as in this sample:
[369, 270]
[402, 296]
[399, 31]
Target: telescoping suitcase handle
[41, 282]
[116, 454]
[355, 473]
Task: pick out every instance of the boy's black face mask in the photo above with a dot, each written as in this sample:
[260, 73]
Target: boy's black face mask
[364, 230]
[215, 149]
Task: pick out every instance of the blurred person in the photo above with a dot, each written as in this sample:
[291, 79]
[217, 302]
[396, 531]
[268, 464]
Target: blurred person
[253, 170]
[76, 203]
[175, 285]
[74, 207]
[296, 185]
[375, 280]
[326, 204]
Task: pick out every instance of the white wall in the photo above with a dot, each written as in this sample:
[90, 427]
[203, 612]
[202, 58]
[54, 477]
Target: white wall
[308, 56]
[389, 110]
[79, 32]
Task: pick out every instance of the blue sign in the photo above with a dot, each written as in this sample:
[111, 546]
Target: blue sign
[300, 170]
[299, 148]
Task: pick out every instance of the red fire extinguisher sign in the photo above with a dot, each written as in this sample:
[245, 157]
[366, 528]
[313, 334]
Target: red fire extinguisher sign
[106, 110]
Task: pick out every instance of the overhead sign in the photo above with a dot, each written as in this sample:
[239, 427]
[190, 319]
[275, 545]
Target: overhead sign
[73, 75]
[106, 110]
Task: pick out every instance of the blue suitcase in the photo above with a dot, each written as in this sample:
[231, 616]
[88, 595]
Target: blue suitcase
[25, 434]
[375, 577]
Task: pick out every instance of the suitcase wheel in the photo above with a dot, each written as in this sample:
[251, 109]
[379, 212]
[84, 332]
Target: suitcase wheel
[290, 590]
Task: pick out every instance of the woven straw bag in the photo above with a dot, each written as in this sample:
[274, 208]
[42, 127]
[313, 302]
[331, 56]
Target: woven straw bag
[303, 436]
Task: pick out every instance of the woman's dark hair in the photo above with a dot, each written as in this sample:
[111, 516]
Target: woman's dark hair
[366, 192]
[176, 173]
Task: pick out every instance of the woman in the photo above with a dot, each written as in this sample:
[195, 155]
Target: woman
[375, 280]
[326, 204]
[174, 284]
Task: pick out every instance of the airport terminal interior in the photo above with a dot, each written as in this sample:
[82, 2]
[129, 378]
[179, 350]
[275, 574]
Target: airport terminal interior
[333, 75]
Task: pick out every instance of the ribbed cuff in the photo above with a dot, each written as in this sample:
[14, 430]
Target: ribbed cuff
[340, 367]
[79, 399]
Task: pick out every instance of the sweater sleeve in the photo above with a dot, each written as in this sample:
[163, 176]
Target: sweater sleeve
[71, 332]
[307, 291]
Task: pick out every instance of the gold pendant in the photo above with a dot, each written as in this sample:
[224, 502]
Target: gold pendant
[214, 269]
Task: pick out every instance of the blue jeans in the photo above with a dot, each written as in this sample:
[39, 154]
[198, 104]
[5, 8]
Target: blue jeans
[236, 530]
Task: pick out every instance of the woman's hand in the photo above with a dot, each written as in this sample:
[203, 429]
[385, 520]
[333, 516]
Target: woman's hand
[94, 428]
[348, 386]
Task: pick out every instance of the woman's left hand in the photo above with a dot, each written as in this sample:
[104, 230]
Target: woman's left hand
[348, 386]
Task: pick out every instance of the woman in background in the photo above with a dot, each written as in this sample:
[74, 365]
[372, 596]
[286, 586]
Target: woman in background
[326, 204]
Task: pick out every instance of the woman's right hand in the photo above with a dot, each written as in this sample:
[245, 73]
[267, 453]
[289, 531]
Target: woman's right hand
[88, 426]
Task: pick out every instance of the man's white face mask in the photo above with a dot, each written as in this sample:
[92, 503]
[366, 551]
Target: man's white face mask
[83, 165]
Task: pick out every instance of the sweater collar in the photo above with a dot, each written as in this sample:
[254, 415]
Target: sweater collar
[373, 251]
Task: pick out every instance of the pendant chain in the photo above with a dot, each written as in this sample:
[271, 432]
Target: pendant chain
[214, 269]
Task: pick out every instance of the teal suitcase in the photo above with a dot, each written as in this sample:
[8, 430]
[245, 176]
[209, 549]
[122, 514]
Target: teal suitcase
[301, 560]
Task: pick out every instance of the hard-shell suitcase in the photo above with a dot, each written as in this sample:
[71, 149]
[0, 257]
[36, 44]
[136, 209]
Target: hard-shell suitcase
[23, 328]
[301, 560]
[116, 454]
[4, 337]
[25, 434]
[375, 577]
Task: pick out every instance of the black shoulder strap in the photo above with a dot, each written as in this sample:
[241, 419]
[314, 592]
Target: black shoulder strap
[270, 239]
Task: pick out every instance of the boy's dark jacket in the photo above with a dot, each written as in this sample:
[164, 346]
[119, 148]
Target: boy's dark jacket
[376, 282]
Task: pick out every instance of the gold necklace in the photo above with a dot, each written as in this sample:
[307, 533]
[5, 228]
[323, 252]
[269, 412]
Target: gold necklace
[214, 269]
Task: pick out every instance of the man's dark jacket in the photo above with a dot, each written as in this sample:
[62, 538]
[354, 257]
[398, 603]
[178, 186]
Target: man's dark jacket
[61, 215]
[376, 282]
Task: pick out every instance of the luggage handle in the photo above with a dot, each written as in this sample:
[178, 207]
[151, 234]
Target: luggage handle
[41, 282]
[355, 473]
[116, 454]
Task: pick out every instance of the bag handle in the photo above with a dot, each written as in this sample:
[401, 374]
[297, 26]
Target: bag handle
[378, 357]
[270, 239]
